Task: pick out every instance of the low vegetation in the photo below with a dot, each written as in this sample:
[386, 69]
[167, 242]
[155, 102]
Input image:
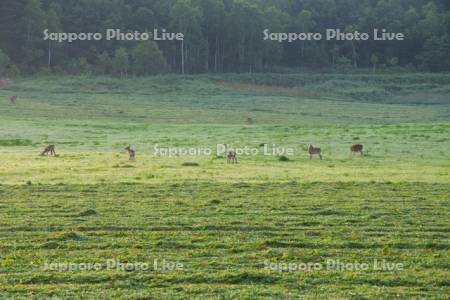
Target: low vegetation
[225, 223]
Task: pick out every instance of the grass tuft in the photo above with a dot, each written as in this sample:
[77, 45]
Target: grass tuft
[87, 213]
[190, 164]
[283, 158]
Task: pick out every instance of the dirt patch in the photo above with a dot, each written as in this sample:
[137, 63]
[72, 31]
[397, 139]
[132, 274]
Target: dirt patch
[5, 82]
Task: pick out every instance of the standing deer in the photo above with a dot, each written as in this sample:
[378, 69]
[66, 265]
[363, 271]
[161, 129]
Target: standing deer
[357, 148]
[231, 157]
[131, 153]
[50, 149]
[314, 150]
[13, 99]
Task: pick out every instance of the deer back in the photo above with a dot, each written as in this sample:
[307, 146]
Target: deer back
[313, 150]
[356, 147]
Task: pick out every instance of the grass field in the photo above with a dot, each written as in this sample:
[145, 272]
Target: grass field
[226, 223]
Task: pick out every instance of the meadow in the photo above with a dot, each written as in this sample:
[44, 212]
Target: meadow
[224, 223]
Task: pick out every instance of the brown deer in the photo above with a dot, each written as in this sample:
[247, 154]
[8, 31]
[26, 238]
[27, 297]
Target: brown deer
[131, 153]
[357, 148]
[50, 149]
[231, 157]
[314, 150]
[13, 99]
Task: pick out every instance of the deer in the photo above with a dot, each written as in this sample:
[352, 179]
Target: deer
[249, 121]
[231, 157]
[13, 99]
[131, 153]
[50, 149]
[357, 148]
[231, 154]
[314, 150]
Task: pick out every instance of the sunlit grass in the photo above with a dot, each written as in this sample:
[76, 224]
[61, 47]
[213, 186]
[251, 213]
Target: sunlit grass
[223, 221]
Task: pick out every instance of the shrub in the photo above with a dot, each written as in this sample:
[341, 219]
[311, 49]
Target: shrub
[283, 158]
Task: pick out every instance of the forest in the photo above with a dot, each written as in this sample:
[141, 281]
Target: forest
[222, 36]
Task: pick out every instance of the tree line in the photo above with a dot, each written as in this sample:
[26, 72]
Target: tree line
[221, 35]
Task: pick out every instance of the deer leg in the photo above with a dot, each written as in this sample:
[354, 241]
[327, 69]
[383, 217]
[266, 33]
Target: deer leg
[310, 156]
[320, 155]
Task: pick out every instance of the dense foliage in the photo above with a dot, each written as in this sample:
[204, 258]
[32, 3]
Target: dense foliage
[222, 35]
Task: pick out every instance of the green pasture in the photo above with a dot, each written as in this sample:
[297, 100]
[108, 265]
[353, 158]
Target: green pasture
[223, 222]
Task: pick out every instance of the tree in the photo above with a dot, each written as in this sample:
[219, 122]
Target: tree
[121, 62]
[304, 23]
[144, 19]
[343, 64]
[353, 44]
[225, 35]
[4, 62]
[33, 19]
[53, 25]
[435, 55]
[186, 19]
[374, 61]
[148, 59]
[104, 63]
[213, 12]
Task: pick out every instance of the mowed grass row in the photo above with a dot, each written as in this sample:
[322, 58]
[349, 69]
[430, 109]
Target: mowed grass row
[223, 234]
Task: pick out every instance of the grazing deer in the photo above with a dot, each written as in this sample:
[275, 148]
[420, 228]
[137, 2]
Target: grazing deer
[13, 99]
[249, 120]
[357, 148]
[231, 157]
[313, 150]
[131, 153]
[50, 149]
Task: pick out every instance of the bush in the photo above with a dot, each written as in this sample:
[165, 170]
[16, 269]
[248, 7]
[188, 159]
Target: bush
[283, 158]
[148, 59]
[78, 66]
